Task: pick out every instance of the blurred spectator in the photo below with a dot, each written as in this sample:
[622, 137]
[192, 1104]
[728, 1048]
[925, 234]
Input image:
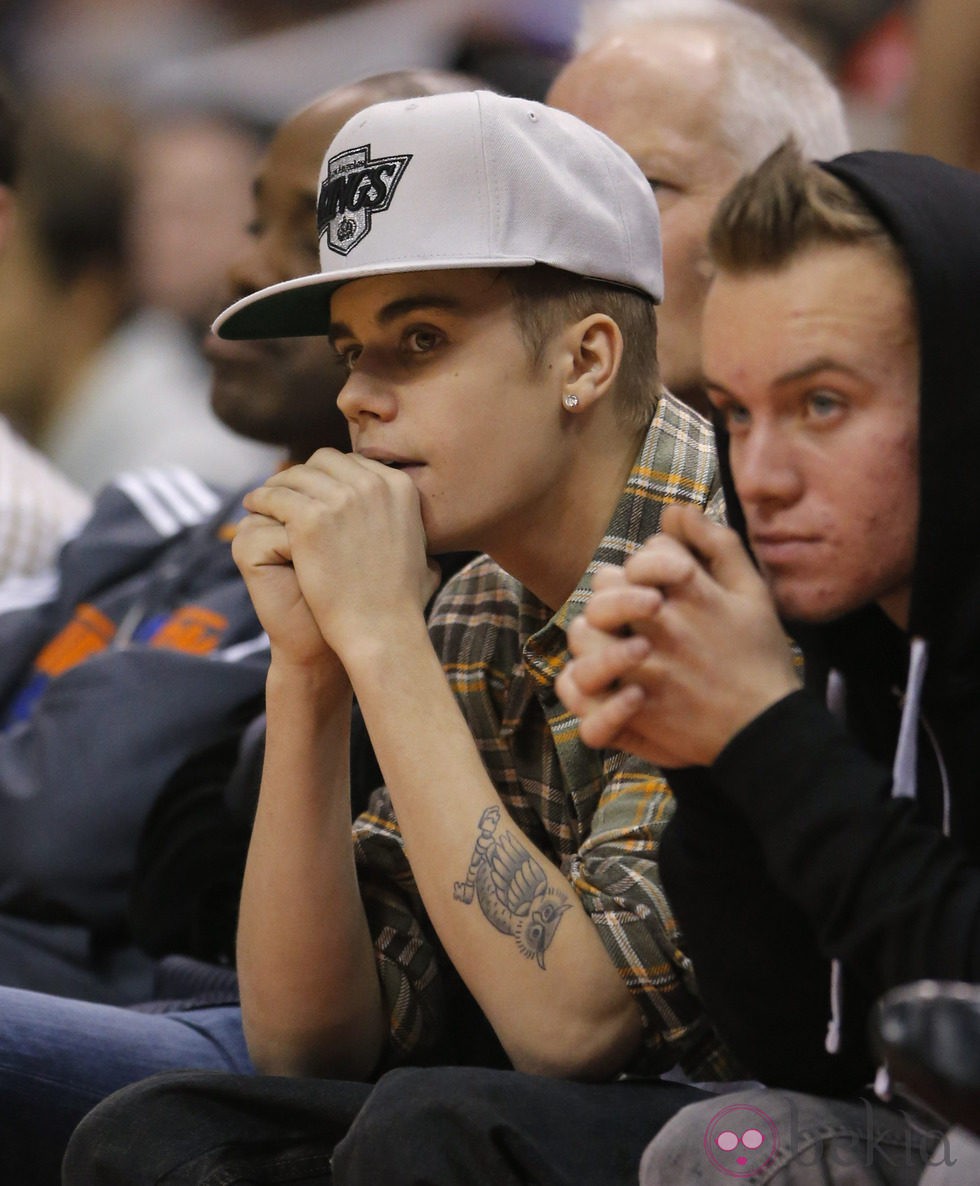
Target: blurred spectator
[514, 44]
[107, 45]
[510, 59]
[190, 209]
[111, 45]
[943, 114]
[865, 46]
[103, 381]
[38, 507]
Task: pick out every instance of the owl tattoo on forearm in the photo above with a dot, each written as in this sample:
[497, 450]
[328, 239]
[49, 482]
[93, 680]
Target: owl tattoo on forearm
[512, 889]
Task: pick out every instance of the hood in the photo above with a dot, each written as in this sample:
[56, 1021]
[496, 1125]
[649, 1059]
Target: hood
[932, 211]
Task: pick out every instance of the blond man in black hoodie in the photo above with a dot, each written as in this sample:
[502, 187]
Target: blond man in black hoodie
[826, 844]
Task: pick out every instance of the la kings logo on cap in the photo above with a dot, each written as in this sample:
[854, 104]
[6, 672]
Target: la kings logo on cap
[354, 189]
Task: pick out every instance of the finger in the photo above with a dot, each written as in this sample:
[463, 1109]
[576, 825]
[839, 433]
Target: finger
[305, 488]
[599, 670]
[583, 638]
[606, 721]
[719, 549]
[324, 460]
[353, 469]
[294, 477]
[664, 562]
[259, 541]
[608, 576]
[330, 464]
[615, 611]
[278, 502]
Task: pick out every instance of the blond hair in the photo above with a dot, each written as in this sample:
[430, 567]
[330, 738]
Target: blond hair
[785, 207]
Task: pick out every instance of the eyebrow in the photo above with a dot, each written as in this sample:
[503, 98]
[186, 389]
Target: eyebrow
[399, 308]
[806, 371]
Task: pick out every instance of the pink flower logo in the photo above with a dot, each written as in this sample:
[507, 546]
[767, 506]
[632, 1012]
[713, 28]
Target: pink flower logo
[740, 1140]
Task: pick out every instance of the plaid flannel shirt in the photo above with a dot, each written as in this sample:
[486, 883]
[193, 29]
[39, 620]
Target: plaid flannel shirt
[597, 815]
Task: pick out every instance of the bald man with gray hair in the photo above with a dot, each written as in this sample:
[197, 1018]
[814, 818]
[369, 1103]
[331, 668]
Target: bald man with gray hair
[698, 92]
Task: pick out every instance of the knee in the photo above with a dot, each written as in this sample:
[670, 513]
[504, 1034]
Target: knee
[133, 1136]
[418, 1100]
[416, 1113]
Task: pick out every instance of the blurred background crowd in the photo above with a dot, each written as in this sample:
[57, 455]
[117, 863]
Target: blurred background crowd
[144, 120]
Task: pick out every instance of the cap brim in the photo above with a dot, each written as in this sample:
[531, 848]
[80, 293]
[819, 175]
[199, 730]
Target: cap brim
[293, 309]
[301, 307]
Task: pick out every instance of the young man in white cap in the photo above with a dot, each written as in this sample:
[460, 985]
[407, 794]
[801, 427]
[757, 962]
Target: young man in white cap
[489, 268]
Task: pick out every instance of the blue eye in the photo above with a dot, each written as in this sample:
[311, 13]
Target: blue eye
[734, 416]
[823, 403]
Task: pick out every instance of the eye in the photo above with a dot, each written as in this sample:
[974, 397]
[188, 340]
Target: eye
[734, 416]
[664, 191]
[422, 339]
[347, 356]
[822, 404]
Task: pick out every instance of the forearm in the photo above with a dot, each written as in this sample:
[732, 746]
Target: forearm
[310, 997]
[559, 1007]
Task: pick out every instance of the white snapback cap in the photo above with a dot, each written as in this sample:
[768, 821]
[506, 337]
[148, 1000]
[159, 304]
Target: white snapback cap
[465, 180]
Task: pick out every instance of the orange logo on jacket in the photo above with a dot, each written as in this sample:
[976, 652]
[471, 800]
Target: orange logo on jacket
[191, 629]
[89, 632]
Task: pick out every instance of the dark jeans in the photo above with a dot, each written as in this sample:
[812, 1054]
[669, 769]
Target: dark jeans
[441, 1125]
[59, 1058]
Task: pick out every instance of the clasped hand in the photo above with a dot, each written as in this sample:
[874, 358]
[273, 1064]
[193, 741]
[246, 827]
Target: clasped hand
[677, 650]
[332, 549]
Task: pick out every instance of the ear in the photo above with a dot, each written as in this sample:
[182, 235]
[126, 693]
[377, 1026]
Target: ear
[594, 352]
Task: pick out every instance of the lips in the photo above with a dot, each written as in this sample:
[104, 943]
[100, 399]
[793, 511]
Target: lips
[775, 549]
[391, 460]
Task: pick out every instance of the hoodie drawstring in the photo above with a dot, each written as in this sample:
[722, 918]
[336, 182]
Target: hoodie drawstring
[903, 769]
[836, 698]
[903, 787]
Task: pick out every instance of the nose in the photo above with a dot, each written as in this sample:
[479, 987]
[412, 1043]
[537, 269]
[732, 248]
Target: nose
[366, 396]
[765, 467]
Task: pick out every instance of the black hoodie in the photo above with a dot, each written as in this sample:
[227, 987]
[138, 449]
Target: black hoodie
[800, 858]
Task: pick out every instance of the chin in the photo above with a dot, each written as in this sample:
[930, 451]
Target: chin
[813, 611]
